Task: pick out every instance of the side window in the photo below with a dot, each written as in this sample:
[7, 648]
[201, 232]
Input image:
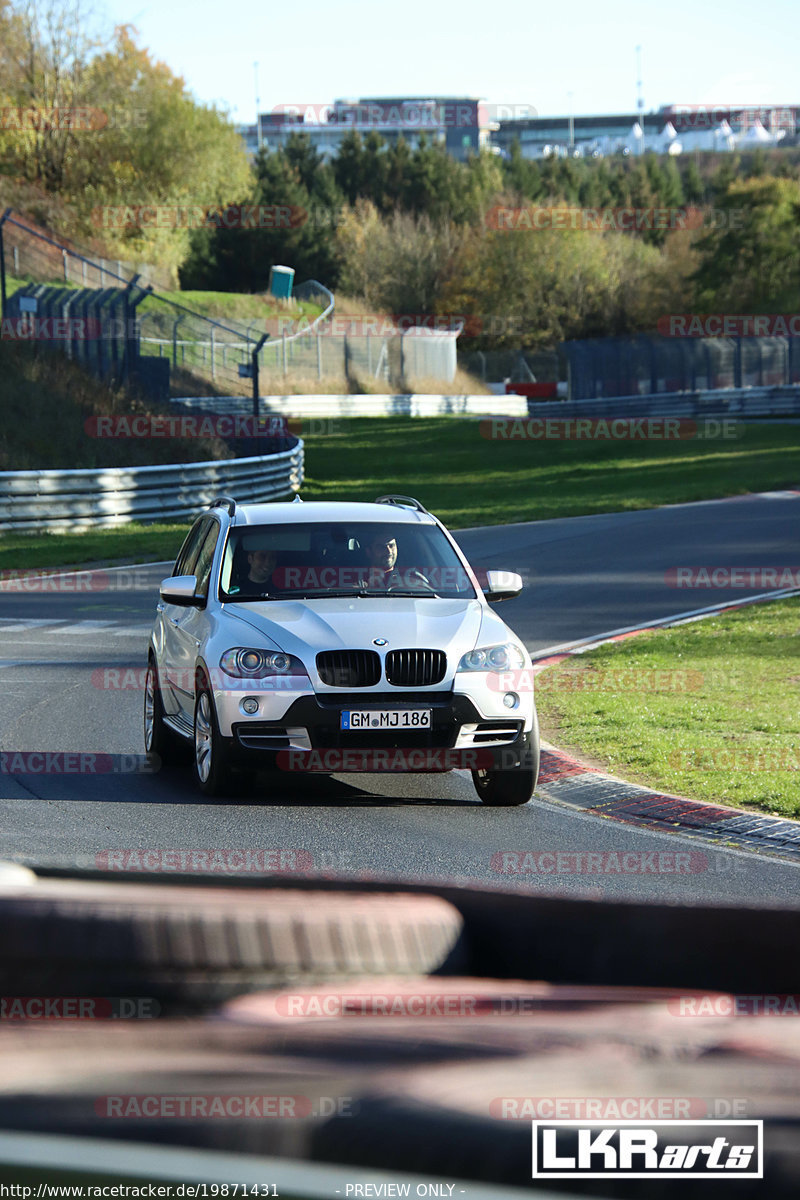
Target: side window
[205, 558]
[187, 556]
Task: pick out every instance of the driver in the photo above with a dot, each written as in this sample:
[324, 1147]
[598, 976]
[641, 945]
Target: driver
[382, 572]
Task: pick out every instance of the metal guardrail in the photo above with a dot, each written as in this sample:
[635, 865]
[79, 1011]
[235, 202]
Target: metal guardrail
[361, 405]
[727, 402]
[32, 500]
[724, 402]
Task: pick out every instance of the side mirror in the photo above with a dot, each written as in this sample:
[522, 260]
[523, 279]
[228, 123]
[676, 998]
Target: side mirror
[180, 589]
[502, 585]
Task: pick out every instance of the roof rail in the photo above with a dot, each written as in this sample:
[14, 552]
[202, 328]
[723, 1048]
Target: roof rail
[402, 502]
[228, 501]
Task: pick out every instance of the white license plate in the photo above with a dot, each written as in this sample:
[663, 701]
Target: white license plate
[385, 718]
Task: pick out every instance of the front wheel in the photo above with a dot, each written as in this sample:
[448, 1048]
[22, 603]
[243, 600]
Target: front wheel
[505, 789]
[510, 788]
[211, 754]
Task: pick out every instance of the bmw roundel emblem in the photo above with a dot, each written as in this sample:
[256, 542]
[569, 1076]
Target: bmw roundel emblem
[379, 642]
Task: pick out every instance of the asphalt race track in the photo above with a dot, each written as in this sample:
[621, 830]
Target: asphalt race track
[584, 576]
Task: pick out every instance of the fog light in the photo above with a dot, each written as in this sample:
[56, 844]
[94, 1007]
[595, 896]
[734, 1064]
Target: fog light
[250, 705]
[511, 699]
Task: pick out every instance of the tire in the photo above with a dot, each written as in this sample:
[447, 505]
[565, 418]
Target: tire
[191, 948]
[159, 740]
[504, 789]
[510, 789]
[211, 755]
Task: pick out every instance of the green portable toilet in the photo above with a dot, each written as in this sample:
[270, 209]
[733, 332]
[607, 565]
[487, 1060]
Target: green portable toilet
[280, 282]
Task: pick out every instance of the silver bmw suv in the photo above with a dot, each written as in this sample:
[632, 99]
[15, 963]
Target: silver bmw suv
[331, 637]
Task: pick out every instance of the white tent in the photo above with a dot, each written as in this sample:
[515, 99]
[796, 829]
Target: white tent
[757, 135]
[667, 141]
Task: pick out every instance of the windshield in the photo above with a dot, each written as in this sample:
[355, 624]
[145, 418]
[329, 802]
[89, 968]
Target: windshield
[351, 558]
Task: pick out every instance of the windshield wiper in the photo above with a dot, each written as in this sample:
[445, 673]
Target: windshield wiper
[324, 594]
[251, 596]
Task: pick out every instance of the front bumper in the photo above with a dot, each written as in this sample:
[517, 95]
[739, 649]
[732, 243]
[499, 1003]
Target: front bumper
[460, 735]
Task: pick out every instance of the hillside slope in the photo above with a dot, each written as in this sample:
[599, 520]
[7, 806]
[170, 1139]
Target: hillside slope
[45, 401]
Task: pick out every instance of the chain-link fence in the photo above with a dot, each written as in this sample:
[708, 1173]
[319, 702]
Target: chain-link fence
[516, 365]
[107, 316]
[32, 255]
[643, 365]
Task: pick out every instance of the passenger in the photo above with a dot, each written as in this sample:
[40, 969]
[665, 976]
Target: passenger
[261, 564]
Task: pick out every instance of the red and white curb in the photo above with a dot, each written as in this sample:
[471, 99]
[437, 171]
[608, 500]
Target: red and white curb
[572, 782]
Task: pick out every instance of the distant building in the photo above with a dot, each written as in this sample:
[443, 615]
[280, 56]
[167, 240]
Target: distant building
[463, 126]
[673, 129]
[459, 123]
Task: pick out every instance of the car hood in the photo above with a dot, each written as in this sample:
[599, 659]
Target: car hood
[352, 623]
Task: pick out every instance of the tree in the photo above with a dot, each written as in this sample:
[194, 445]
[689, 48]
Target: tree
[303, 237]
[750, 257]
[694, 188]
[349, 167]
[109, 126]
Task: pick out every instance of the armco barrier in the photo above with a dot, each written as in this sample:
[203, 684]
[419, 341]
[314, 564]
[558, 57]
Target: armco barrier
[366, 405]
[32, 500]
[725, 402]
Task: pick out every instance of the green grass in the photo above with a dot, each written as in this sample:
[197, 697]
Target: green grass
[132, 543]
[240, 306]
[709, 710]
[467, 479]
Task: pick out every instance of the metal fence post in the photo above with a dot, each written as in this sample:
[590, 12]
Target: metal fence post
[175, 341]
[3, 220]
[254, 372]
[131, 334]
[213, 356]
[319, 356]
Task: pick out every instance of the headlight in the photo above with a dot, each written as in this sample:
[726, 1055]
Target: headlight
[244, 663]
[507, 657]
